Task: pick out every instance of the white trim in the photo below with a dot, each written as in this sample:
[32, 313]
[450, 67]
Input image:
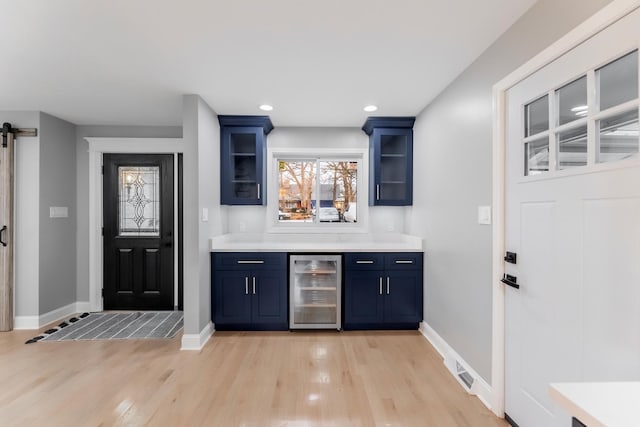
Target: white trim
[37, 322]
[195, 342]
[98, 146]
[480, 388]
[135, 145]
[26, 322]
[601, 20]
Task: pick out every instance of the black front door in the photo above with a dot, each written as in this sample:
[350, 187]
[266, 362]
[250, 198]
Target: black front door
[138, 232]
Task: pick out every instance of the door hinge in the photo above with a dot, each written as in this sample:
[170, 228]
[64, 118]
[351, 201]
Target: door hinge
[102, 169]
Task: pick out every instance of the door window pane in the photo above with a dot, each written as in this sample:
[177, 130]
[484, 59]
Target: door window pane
[536, 116]
[618, 137]
[536, 157]
[139, 201]
[618, 81]
[572, 148]
[572, 101]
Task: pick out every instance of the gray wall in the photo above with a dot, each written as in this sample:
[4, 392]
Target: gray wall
[209, 199]
[26, 252]
[57, 235]
[201, 136]
[452, 177]
[82, 186]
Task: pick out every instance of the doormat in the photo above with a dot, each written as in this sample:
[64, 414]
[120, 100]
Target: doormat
[115, 326]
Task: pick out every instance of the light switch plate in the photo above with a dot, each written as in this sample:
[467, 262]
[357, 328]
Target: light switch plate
[484, 215]
[205, 214]
[58, 212]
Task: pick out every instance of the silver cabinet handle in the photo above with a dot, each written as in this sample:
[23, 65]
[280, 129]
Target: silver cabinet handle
[254, 285]
[381, 286]
[251, 262]
[387, 285]
[403, 262]
[258, 190]
[364, 262]
[246, 286]
[377, 191]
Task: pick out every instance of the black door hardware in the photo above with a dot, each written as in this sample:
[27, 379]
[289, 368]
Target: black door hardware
[2, 230]
[510, 280]
[511, 257]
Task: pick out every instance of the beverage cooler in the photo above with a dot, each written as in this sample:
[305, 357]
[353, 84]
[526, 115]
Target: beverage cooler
[315, 287]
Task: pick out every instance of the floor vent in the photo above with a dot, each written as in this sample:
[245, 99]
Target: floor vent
[461, 373]
[464, 376]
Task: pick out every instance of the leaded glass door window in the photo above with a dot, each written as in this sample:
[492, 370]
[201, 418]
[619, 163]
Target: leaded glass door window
[139, 201]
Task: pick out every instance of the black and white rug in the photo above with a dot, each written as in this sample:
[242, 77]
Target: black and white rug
[116, 326]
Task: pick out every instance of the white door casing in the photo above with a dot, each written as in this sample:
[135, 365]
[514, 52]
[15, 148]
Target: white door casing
[576, 316]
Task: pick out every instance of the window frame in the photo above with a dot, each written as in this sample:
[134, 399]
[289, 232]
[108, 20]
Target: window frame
[353, 155]
[591, 120]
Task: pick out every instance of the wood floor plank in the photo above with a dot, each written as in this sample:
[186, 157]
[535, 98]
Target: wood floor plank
[315, 378]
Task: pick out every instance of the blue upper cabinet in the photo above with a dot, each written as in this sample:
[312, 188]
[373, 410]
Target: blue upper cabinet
[390, 160]
[242, 160]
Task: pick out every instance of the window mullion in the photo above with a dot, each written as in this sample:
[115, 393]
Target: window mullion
[592, 149]
[316, 220]
[553, 123]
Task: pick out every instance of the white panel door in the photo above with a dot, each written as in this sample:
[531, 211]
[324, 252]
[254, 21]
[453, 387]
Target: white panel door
[573, 218]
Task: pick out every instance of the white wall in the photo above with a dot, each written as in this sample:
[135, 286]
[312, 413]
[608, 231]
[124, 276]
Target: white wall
[452, 177]
[254, 219]
[26, 217]
[57, 236]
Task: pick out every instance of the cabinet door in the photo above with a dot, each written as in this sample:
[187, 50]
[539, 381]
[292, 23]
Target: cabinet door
[242, 157]
[362, 298]
[269, 298]
[232, 299]
[403, 297]
[392, 159]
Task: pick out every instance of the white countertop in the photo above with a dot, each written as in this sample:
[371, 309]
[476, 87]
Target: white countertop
[326, 242]
[610, 404]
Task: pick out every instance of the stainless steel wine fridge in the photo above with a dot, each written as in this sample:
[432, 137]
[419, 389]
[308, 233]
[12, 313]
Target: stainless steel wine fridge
[315, 285]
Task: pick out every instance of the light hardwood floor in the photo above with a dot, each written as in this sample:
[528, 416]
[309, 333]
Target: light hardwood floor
[238, 379]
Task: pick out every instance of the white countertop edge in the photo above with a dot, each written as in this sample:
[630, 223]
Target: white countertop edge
[316, 243]
[599, 404]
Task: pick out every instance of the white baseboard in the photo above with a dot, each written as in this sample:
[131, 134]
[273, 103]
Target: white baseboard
[37, 322]
[26, 322]
[197, 341]
[479, 388]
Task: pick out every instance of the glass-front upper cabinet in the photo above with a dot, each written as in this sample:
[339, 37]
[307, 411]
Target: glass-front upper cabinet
[243, 155]
[390, 160]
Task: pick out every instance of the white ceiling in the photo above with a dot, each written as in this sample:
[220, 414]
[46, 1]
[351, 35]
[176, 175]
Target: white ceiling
[128, 62]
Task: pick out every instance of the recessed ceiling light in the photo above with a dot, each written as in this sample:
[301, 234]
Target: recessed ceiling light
[266, 107]
[370, 108]
[580, 108]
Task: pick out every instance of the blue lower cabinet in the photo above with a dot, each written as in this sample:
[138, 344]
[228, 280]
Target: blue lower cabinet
[362, 298]
[250, 294]
[389, 298]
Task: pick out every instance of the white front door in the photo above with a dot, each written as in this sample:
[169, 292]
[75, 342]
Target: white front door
[573, 218]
